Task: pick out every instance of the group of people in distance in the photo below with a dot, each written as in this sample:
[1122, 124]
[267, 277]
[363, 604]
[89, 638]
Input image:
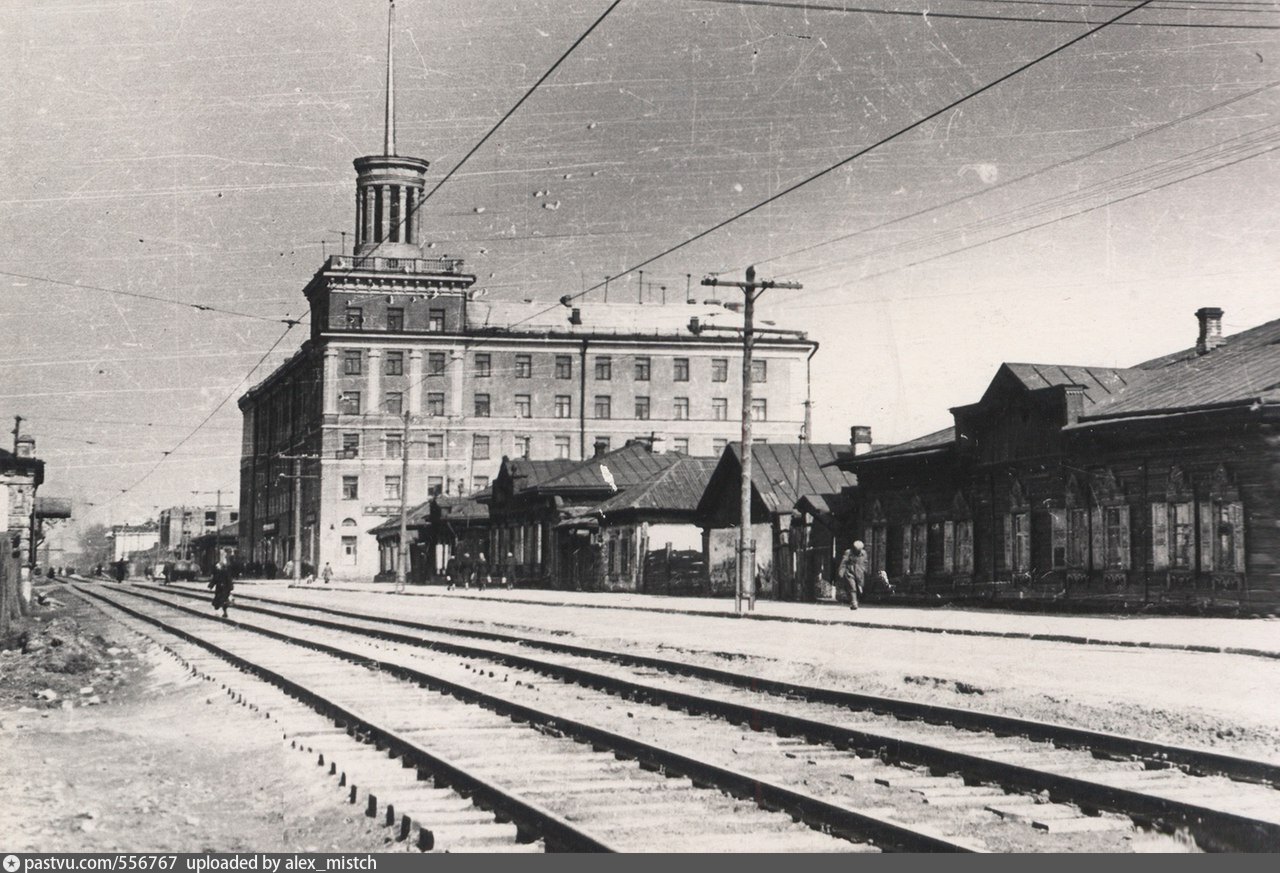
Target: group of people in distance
[466, 571]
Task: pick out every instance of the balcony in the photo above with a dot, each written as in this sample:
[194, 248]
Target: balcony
[418, 266]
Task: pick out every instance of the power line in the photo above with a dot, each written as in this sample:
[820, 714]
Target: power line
[203, 307]
[197, 428]
[1058, 165]
[910, 127]
[927, 14]
[1094, 208]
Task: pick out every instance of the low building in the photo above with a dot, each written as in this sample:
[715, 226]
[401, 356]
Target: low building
[129, 538]
[21, 475]
[210, 548]
[781, 474]
[439, 532]
[643, 539]
[1144, 484]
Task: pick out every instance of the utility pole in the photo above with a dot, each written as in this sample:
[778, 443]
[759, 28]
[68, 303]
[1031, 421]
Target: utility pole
[402, 553]
[751, 289]
[297, 478]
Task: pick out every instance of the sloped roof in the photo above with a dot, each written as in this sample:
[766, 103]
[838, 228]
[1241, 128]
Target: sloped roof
[774, 468]
[416, 516]
[939, 439]
[468, 508]
[1244, 369]
[678, 488]
[628, 466]
[1104, 387]
[529, 474]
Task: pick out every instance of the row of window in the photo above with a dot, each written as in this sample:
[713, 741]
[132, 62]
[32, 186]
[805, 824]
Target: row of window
[482, 446]
[1189, 535]
[393, 365]
[349, 403]
[391, 486]
[395, 319]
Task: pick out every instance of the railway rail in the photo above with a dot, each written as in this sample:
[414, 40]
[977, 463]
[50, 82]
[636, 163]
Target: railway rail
[888, 774]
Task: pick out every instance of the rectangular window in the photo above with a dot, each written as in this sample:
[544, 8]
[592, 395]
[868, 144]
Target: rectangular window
[564, 366]
[1077, 538]
[604, 369]
[349, 403]
[1115, 538]
[720, 408]
[603, 442]
[1021, 542]
[523, 446]
[759, 409]
[482, 405]
[759, 371]
[919, 548]
[435, 363]
[435, 320]
[391, 488]
[680, 409]
[435, 446]
[964, 547]
[393, 403]
[480, 447]
[479, 483]
[681, 445]
[349, 551]
[395, 319]
[482, 365]
[435, 486]
[681, 368]
[524, 406]
[604, 406]
[350, 487]
[642, 407]
[642, 369]
[719, 369]
[524, 366]
[624, 549]
[351, 444]
[1182, 536]
[355, 318]
[351, 363]
[564, 406]
[394, 445]
[563, 444]
[435, 403]
[718, 446]
[394, 364]
[211, 519]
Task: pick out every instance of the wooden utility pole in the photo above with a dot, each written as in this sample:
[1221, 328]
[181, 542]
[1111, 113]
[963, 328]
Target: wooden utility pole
[751, 289]
[297, 478]
[402, 553]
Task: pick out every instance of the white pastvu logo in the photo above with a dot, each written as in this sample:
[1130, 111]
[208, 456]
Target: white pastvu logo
[11, 864]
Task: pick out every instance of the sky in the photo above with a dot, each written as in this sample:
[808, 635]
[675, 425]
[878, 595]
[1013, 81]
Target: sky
[199, 152]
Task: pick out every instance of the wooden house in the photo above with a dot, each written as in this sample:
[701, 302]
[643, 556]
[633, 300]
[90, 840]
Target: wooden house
[1153, 483]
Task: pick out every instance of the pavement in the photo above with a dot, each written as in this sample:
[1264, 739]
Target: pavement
[1258, 637]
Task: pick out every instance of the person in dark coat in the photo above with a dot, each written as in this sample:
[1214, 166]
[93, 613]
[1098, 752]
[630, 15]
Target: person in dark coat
[853, 571]
[222, 585]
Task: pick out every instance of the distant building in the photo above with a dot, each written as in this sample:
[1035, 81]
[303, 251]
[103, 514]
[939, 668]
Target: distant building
[1145, 484]
[129, 538]
[394, 334]
[180, 525]
[21, 475]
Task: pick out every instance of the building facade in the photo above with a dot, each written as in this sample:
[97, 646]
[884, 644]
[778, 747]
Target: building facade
[129, 538]
[21, 475]
[405, 356]
[1142, 485]
[179, 526]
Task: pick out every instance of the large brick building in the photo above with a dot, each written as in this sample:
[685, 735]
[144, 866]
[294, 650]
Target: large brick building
[394, 334]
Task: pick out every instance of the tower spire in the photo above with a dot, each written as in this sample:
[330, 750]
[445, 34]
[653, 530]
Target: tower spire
[389, 143]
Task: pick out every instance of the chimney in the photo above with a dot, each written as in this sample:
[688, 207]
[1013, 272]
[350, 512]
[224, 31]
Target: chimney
[1210, 329]
[25, 446]
[860, 437]
[601, 448]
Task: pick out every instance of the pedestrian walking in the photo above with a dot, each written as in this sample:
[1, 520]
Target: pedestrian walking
[327, 573]
[482, 571]
[509, 578]
[222, 586]
[853, 571]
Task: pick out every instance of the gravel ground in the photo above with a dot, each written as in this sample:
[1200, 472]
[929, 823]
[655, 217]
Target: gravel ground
[163, 762]
[1224, 702]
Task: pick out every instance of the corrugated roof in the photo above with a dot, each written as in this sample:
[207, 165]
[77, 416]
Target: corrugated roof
[628, 466]
[1245, 368]
[678, 488]
[1103, 386]
[529, 474]
[775, 465]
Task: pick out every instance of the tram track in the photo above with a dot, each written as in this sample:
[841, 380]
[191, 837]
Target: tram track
[955, 773]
